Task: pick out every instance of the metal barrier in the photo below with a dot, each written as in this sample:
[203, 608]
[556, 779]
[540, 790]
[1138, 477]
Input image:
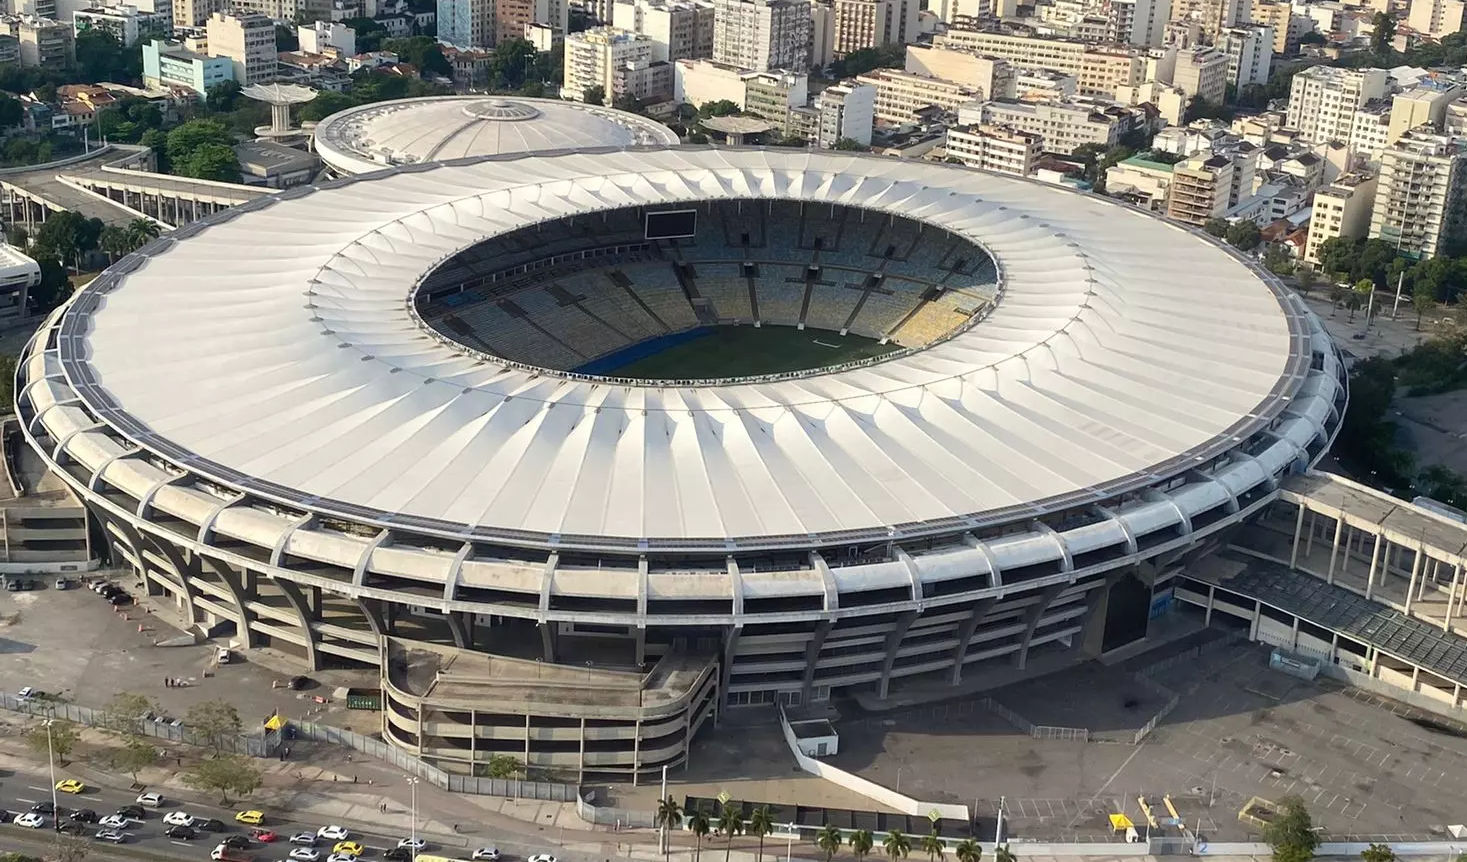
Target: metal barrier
[620, 817]
[1044, 731]
[1009, 715]
[252, 746]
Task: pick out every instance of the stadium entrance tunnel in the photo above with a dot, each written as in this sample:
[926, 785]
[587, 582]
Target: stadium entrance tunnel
[710, 290]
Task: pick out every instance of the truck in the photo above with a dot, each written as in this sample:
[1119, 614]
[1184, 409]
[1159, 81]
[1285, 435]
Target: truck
[224, 853]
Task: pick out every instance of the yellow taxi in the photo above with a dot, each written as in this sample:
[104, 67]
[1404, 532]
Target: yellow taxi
[350, 848]
[70, 785]
[252, 818]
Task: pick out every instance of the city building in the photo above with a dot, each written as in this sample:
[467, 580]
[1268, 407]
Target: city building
[847, 113]
[593, 57]
[761, 35]
[994, 148]
[1200, 188]
[510, 19]
[1435, 18]
[1249, 49]
[648, 81]
[467, 23]
[773, 95]
[45, 43]
[19, 273]
[1141, 23]
[902, 96]
[678, 29]
[194, 14]
[1210, 16]
[1421, 197]
[769, 95]
[170, 64]
[1323, 100]
[1098, 71]
[1341, 209]
[126, 24]
[872, 23]
[275, 166]
[1285, 21]
[1141, 181]
[248, 40]
[1042, 85]
[1201, 73]
[991, 77]
[1370, 129]
[1170, 102]
[1063, 126]
[320, 37]
[822, 34]
[1423, 105]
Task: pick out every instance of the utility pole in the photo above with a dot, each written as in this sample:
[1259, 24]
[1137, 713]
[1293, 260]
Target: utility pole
[51, 761]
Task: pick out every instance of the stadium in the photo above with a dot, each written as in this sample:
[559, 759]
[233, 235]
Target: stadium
[456, 422]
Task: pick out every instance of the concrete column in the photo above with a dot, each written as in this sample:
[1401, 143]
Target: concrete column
[637, 753]
[1211, 597]
[1294, 635]
[1334, 549]
[581, 770]
[1452, 596]
[1309, 538]
[1345, 559]
[1298, 529]
[1415, 679]
[1374, 557]
[1415, 573]
[1253, 623]
[527, 743]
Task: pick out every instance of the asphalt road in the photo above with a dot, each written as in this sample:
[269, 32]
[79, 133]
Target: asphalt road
[21, 790]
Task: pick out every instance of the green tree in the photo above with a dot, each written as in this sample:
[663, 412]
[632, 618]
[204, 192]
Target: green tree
[1383, 34]
[668, 817]
[718, 108]
[699, 825]
[1423, 296]
[1291, 832]
[594, 95]
[55, 284]
[422, 52]
[730, 823]
[62, 237]
[1306, 278]
[1002, 853]
[213, 721]
[896, 845]
[761, 823]
[932, 844]
[515, 60]
[324, 105]
[828, 839]
[861, 843]
[504, 766]
[1218, 227]
[100, 57]
[1244, 235]
[11, 111]
[114, 242]
[136, 754]
[370, 33]
[223, 774]
[7, 379]
[1378, 853]
[188, 138]
[224, 97]
[127, 708]
[216, 162]
[141, 231]
[60, 741]
[850, 145]
[1277, 260]
[968, 850]
[627, 102]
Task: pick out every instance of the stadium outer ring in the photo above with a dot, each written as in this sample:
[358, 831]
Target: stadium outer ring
[234, 554]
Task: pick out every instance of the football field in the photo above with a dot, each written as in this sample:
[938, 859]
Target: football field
[743, 351]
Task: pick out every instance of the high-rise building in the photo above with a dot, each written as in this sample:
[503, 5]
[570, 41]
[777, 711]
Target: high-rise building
[1249, 49]
[1064, 126]
[1323, 100]
[45, 43]
[1212, 16]
[467, 23]
[995, 148]
[822, 34]
[902, 96]
[1137, 22]
[1202, 73]
[1423, 105]
[992, 77]
[1341, 209]
[194, 14]
[847, 112]
[1436, 18]
[871, 23]
[127, 24]
[1199, 189]
[679, 30]
[510, 18]
[762, 34]
[592, 58]
[248, 40]
[1285, 20]
[1421, 197]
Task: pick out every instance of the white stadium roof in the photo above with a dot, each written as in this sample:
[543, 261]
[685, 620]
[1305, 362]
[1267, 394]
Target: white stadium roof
[276, 350]
[436, 128]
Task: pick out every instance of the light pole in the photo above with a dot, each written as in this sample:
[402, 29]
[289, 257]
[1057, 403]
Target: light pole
[413, 826]
[789, 849]
[51, 761]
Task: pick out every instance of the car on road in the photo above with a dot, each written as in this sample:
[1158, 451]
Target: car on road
[84, 815]
[152, 800]
[350, 848]
[178, 818]
[341, 857]
[43, 808]
[304, 839]
[116, 821]
[73, 828]
[265, 836]
[306, 854]
[70, 785]
[411, 843]
[120, 599]
[213, 824]
[224, 853]
[134, 811]
[253, 818]
[111, 835]
[30, 820]
[26, 693]
[238, 842]
[332, 833]
[397, 854]
[542, 857]
[485, 854]
[183, 833]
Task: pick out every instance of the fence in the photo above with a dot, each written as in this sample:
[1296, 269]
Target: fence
[607, 816]
[1172, 699]
[253, 746]
[1045, 731]
[1008, 715]
[547, 791]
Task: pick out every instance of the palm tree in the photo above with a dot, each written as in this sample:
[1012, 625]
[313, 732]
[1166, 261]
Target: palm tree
[761, 823]
[668, 817]
[968, 850]
[698, 825]
[896, 845]
[932, 845]
[114, 241]
[829, 840]
[730, 823]
[1002, 853]
[861, 843]
[140, 231]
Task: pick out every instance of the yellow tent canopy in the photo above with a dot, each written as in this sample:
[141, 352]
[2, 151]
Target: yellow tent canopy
[275, 722]
[1120, 821]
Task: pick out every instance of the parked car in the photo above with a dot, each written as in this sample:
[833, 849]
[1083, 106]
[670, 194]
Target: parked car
[486, 854]
[350, 848]
[265, 836]
[341, 857]
[152, 800]
[133, 811]
[223, 853]
[116, 821]
[73, 828]
[253, 818]
[397, 854]
[542, 857]
[183, 833]
[43, 808]
[27, 692]
[213, 824]
[120, 600]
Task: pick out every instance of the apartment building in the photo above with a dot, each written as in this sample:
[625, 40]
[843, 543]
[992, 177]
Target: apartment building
[1341, 209]
[1436, 18]
[1141, 23]
[995, 148]
[862, 24]
[593, 58]
[1286, 22]
[170, 64]
[248, 40]
[320, 37]
[1170, 102]
[1141, 181]
[769, 95]
[901, 96]
[1097, 71]
[1062, 126]
[45, 43]
[1249, 49]
[992, 77]
[762, 34]
[1199, 188]
[1201, 73]
[822, 34]
[1211, 16]
[679, 29]
[1421, 197]
[1043, 85]
[1423, 105]
[467, 23]
[127, 24]
[1370, 129]
[846, 112]
[194, 14]
[1323, 100]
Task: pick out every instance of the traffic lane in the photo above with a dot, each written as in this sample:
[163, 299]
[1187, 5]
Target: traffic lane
[40, 842]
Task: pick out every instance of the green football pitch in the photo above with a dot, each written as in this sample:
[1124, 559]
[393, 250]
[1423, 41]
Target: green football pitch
[744, 351]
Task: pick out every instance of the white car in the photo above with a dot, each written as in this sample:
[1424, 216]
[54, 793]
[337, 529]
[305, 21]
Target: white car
[114, 821]
[341, 857]
[111, 835]
[332, 833]
[411, 843]
[304, 839]
[542, 857]
[30, 819]
[486, 853]
[178, 818]
[305, 854]
[152, 800]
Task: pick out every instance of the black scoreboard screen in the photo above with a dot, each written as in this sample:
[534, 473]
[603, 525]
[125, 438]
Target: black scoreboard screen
[672, 224]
